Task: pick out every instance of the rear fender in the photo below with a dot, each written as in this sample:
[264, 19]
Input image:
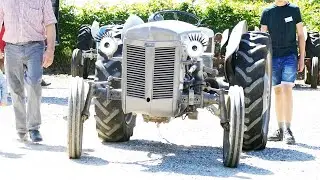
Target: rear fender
[132, 21]
[233, 45]
[235, 38]
[225, 37]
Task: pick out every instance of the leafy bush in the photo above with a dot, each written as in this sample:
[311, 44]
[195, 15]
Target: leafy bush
[219, 15]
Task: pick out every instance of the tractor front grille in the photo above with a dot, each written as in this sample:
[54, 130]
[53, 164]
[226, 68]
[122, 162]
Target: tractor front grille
[163, 76]
[136, 71]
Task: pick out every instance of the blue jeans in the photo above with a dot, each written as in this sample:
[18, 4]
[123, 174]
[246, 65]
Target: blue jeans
[24, 70]
[3, 89]
[284, 70]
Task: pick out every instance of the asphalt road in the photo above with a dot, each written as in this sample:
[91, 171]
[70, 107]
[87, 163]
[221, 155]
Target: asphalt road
[182, 149]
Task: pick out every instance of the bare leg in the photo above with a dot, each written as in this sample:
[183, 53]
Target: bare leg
[279, 105]
[288, 106]
[279, 108]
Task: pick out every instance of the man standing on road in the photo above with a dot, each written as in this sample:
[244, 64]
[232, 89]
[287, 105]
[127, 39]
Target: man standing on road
[28, 25]
[283, 20]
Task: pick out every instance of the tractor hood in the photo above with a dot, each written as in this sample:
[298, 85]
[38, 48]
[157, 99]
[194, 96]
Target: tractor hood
[167, 30]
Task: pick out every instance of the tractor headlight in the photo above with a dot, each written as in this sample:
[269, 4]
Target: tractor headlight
[108, 46]
[195, 43]
[195, 49]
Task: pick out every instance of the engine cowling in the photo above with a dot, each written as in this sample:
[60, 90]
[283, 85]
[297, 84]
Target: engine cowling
[152, 67]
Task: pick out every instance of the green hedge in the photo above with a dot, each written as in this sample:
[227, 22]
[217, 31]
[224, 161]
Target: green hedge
[220, 17]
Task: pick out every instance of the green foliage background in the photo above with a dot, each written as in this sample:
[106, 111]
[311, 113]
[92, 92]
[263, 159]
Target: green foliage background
[221, 14]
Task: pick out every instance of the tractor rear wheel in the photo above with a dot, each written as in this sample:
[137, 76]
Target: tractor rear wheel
[252, 71]
[112, 124]
[85, 42]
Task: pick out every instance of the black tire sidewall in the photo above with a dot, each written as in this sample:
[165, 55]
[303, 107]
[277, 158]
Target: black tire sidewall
[104, 69]
[257, 128]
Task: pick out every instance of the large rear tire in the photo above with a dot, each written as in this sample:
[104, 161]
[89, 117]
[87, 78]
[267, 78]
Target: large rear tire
[112, 124]
[314, 72]
[85, 42]
[252, 71]
[313, 44]
[233, 135]
[84, 39]
[75, 122]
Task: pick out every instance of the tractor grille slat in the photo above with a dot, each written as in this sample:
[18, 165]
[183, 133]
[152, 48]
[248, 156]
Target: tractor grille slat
[163, 76]
[135, 71]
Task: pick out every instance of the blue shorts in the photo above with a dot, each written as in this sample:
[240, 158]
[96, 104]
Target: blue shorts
[284, 70]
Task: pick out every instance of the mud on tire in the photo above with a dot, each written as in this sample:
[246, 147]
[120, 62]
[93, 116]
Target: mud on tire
[112, 124]
[252, 72]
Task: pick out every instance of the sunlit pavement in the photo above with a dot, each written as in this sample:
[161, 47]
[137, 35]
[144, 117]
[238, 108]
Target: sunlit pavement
[182, 149]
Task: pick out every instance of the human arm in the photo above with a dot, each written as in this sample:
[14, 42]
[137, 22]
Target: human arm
[301, 41]
[49, 22]
[264, 21]
[49, 53]
[302, 46]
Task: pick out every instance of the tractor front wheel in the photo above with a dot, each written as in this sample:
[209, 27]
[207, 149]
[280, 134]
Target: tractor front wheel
[75, 122]
[233, 133]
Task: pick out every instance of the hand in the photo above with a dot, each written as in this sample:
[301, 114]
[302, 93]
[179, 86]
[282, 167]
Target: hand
[1, 55]
[301, 64]
[47, 58]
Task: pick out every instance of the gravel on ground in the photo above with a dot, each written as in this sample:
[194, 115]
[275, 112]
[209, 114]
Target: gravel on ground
[181, 149]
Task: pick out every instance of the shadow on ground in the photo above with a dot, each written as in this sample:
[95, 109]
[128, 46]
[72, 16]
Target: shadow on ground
[85, 159]
[10, 155]
[55, 100]
[187, 160]
[308, 146]
[304, 87]
[49, 100]
[281, 154]
[91, 160]
[50, 148]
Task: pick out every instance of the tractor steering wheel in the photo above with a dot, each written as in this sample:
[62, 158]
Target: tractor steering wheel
[175, 15]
